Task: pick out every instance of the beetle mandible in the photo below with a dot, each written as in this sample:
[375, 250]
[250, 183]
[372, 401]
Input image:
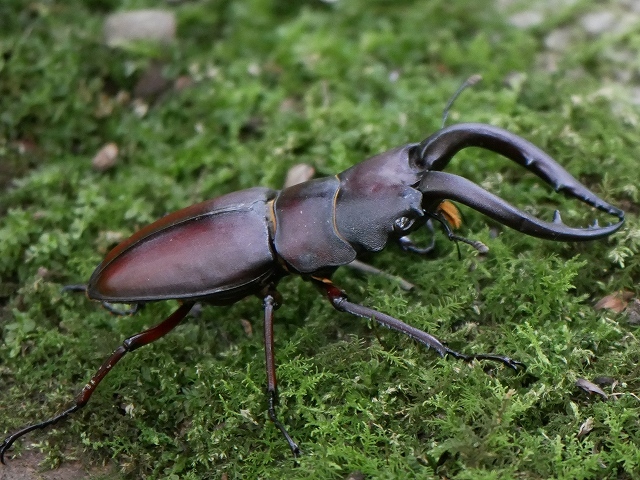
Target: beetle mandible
[243, 243]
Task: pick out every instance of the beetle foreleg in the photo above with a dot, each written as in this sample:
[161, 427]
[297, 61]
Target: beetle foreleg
[340, 302]
[129, 345]
[408, 245]
[477, 244]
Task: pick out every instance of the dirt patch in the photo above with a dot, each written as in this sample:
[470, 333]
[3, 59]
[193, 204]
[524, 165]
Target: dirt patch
[27, 467]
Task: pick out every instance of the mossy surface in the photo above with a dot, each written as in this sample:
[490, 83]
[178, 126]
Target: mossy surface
[329, 84]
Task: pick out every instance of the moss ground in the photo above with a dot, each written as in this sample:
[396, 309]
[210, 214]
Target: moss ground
[329, 84]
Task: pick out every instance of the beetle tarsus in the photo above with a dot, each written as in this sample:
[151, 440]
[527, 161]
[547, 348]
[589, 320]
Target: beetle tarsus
[6, 445]
[507, 361]
[295, 449]
[108, 306]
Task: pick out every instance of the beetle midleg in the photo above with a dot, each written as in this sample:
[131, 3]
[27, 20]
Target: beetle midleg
[370, 269]
[270, 305]
[339, 300]
[130, 344]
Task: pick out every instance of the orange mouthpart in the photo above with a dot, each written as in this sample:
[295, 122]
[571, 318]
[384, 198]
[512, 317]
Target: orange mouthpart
[450, 213]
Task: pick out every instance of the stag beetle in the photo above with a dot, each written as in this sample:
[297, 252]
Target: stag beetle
[243, 243]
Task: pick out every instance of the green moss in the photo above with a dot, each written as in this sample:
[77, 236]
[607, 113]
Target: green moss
[327, 84]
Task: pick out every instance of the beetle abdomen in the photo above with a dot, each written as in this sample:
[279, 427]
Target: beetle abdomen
[217, 248]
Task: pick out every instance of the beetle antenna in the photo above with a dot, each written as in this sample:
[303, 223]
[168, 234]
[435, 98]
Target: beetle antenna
[469, 82]
[480, 247]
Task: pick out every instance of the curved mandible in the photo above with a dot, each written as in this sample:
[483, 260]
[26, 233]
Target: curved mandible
[441, 185]
[437, 150]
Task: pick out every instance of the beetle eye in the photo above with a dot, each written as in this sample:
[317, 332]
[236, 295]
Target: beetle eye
[403, 224]
[415, 159]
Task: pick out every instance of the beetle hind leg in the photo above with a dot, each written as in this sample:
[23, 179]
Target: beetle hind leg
[340, 302]
[111, 308]
[130, 344]
[108, 306]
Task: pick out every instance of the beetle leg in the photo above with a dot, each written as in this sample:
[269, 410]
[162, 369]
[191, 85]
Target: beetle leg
[109, 307]
[407, 244]
[370, 269]
[130, 344]
[339, 300]
[270, 305]
[477, 244]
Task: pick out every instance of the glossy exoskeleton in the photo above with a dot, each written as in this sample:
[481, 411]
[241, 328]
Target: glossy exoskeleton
[240, 244]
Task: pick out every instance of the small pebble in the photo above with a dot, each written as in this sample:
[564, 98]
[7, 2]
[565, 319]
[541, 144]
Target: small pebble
[299, 173]
[122, 27]
[106, 157]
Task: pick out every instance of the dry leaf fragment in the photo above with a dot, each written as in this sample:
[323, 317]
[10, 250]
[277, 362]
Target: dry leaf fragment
[586, 427]
[246, 326]
[182, 82]
[616, 301]
[606, 381]
[590, 387]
